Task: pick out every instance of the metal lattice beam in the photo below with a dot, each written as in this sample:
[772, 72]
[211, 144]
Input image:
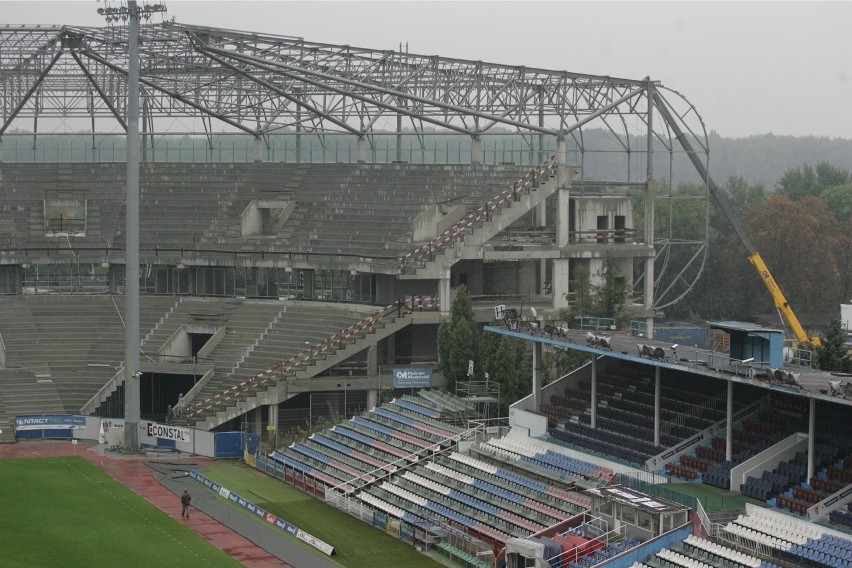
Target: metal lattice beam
[261, 84]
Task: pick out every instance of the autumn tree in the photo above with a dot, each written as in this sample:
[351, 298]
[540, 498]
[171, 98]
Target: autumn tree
[795, 240]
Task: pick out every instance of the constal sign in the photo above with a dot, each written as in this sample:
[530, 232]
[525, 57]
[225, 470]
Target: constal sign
[412, 378]
[168, 432]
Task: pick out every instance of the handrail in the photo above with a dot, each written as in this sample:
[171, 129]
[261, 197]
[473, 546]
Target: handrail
[332, 342]
[465, 224]
[112, 384]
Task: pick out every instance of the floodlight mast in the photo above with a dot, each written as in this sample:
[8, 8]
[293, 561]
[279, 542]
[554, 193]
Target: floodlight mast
[132, 375]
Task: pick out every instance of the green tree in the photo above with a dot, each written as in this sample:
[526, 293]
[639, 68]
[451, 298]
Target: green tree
[832, 354]
[798, 182]
[458, 340]
[838, 200]
[830, 176]
[499, 361]
[611, 294]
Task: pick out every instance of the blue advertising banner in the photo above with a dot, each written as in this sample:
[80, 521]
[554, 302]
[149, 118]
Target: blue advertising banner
[412, 378]
[52, 422]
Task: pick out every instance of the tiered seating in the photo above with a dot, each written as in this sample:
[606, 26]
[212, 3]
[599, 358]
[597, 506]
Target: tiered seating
[372, 446]
[425, 508]
[842, 517]
[565, 466]
[445, 401]
[773, 482]
[71, 345]
[624, 423]
[459, 555]
[791, 540]
[508, 499]
[443, 431]
[754, 436]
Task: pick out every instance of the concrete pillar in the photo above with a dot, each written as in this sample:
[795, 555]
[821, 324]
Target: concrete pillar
[561, 151]
[361, 150]
[594, 394]
[373, 361]
[372, 399]
[561, 282]
[729, 422]
[657, 374]
[537, 374]
[272, 420]
[257, 149]
[444, 297]
[811, 437]
[563, 218]
[476, 150]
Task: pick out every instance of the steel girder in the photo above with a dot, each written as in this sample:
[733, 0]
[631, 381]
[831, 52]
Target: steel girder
[262, 84]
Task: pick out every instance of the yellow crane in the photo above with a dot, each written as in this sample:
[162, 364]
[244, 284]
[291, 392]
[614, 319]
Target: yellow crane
[781, 304]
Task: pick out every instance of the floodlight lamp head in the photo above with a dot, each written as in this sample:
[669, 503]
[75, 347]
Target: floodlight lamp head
[675, 346]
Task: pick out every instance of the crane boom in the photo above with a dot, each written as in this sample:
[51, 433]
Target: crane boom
[754, 257]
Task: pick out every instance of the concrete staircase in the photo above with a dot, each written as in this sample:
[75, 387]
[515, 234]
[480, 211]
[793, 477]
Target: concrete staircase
[466, 238]
[266, 388]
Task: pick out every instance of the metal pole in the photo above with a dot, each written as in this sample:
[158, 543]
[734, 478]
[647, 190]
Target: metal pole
[131, 334]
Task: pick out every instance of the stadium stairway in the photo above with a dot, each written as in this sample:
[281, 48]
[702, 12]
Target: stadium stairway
[481, 225]
[270, 387]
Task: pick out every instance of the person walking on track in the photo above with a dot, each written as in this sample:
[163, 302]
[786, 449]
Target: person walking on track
[185, 500]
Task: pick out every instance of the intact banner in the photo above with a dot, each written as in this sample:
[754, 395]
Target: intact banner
[169, 432]
[413, 378]
[52, 422]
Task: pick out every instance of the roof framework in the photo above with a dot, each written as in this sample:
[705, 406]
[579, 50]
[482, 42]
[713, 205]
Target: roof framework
[227, 80]
[211, 81]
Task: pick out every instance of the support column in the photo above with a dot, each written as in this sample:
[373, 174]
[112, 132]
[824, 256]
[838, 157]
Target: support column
[476, 150]
[729, 423]
[594, 398]
[257, 150]
[361, 150]
[272, 420]
[399, 137]
[131, 331]
[811, 437]
[563, 209]
[657, 374]
[648, 289]
[372, 399]
[561, 282]
[561, 151]
[537, 374]
[444, 297]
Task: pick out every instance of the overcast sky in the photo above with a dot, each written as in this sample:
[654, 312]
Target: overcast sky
[748, 67]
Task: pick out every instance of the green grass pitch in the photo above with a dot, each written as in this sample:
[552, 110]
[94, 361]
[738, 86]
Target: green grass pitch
[67, 512]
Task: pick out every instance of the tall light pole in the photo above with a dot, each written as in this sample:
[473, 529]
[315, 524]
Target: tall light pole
[131, 14]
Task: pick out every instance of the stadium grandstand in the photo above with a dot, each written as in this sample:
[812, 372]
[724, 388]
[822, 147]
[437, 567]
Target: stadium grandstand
[306, 213]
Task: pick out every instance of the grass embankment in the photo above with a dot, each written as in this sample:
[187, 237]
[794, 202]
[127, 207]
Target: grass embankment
[356, 545]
